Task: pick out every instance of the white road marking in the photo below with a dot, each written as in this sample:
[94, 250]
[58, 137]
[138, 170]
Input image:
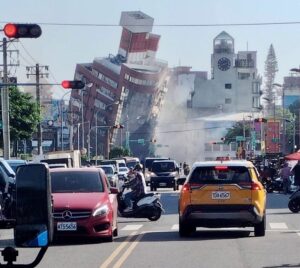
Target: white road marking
[278, 225]
[175, 227]
[132, 227]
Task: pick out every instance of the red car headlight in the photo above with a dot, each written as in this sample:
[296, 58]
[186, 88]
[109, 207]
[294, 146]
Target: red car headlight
[101, 211]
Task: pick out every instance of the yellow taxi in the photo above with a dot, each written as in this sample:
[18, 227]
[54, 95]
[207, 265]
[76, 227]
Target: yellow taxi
[222, 194]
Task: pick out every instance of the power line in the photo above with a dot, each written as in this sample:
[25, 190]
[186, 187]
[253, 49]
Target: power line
[165, 25]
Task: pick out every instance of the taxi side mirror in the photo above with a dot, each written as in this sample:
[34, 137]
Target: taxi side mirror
[34, 224]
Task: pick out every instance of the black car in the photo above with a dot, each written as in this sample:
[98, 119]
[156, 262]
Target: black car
[164, 174]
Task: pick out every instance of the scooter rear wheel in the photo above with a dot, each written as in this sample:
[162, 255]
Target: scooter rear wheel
[294, 205]
[156, 214]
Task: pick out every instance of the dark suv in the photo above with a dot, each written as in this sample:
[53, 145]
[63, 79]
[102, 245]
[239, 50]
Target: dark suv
[164, 174]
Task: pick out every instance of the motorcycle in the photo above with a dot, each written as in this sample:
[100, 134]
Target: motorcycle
[294, 203]
[149, 206]
[274, 185]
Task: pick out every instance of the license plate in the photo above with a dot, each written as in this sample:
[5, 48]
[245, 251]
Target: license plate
[220, 195]
[162, 184]
[66, 226]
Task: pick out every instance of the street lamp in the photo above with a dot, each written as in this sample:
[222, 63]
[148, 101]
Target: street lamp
[87, 86]
[61, 118]
[96, 138]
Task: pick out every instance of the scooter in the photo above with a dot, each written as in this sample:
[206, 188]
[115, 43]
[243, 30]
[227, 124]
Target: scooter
[274, 185]
[149, 206]
[294, 203]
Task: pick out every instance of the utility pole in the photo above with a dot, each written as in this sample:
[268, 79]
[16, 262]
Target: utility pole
[5, 98]
[37, 71]
[5, 105]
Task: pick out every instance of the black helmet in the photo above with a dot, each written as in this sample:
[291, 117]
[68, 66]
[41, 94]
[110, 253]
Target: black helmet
[138, 167]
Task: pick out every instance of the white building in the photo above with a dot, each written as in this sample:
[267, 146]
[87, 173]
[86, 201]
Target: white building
[234, 86]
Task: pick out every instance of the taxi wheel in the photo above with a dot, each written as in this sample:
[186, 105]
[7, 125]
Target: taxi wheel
[260, 228]
[186, 229]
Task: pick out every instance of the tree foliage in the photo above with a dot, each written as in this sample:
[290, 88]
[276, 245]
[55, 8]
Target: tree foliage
[238, 129]
[24, 115]
[271, 67]
[118, 152]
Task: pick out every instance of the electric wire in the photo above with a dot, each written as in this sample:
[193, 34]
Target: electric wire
[166, 25]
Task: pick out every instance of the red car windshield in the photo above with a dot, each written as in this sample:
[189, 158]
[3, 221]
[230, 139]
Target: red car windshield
[78, 182]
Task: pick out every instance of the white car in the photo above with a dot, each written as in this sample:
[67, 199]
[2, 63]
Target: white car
[111, 174]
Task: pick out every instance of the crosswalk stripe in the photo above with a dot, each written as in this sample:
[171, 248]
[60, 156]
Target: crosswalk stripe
[132, 227]
[278, 225]
[175, 227]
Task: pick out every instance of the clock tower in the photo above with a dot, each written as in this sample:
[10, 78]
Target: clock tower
[223, 56]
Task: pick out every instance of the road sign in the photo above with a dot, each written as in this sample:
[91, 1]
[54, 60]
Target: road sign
[240, 138]
[141, 141]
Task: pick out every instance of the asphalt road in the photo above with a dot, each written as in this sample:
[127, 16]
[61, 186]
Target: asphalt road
[142, 243]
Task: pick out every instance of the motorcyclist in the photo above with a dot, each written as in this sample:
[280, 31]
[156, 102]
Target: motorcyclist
[137, 185]
[186, 169]
[285, 174]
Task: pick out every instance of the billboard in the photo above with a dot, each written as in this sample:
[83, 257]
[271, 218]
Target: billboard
[272, 137]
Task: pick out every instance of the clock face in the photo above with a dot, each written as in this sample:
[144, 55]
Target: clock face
[224, 64]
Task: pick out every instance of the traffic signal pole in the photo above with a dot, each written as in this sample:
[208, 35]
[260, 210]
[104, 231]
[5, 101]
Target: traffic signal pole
[5, 105]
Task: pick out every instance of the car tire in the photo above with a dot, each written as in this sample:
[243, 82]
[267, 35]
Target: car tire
[294, 205]
[115, 232]
[260, 228]
[185, 229]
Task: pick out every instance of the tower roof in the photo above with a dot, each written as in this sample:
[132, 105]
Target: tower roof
[223, 35]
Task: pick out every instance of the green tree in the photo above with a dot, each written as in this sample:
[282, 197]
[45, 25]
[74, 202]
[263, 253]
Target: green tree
[238, 129]
[118, 152]
[271, 67]
[23, 118]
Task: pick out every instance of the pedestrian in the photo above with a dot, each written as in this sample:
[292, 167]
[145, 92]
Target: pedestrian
[296, 172]
[285, 174]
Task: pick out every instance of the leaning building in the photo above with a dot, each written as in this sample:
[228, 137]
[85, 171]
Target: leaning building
[125, 89]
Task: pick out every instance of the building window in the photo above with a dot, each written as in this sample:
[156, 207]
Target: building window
[228, 86]
[106, 92]
[126, 76]
[227, 101]
[255, 102]
[255, 88]
[207, 147]
[243, 76]
[107, 80]
[99, 104]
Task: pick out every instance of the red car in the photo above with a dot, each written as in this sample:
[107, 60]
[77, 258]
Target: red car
[84, 203]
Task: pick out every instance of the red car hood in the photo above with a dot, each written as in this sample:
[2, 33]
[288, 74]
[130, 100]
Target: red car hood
[88, 201]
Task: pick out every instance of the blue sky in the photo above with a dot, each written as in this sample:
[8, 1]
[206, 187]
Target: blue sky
[61, 47]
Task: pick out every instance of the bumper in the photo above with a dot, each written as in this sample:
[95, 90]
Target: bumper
[162, 182]
[91, 227]
[221, 216]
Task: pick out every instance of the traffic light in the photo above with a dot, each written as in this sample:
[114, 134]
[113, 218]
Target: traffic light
[17, 30]
[118, 126]
[153, 140]
[223, 139]
[75, 84]
[260, 120]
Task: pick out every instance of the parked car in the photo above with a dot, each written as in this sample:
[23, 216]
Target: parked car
[14, 163]
[222, 194]
[164, 174]
[111, 174]
[84, 203]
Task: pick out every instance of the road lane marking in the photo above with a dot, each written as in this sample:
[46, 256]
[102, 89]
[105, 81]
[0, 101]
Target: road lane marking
[278, 225]
[117, 251]
[128, 251]
[175, 227]
[132, 227]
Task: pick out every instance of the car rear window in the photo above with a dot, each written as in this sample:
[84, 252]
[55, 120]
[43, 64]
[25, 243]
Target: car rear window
[78, 182]
[163, 167]
[108, 170]
[222, 174]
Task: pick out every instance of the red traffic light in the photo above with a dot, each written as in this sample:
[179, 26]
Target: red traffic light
[75, 84]
[17, 30]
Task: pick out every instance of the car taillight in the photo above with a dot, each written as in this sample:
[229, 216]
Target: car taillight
[255, 186]
[250, 185]
[186, 187]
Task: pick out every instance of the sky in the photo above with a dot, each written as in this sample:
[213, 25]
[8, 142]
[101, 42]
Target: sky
[62, 47]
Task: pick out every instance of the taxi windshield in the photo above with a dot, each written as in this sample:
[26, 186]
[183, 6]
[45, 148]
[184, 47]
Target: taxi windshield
[215, 175]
